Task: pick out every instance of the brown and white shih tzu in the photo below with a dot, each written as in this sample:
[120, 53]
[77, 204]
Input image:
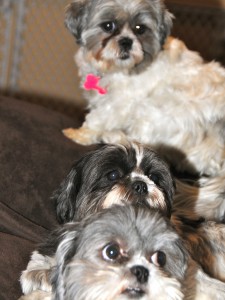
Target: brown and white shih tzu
[123, 174]
[124, 252]
[143, 85]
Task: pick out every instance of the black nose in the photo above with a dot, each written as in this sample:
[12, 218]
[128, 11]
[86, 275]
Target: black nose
[125, 43]
[140, 187]
[141, 273]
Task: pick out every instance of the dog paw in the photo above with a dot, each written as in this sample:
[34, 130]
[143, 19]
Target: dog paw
[114, 137]
[83, 136]
[37, 275]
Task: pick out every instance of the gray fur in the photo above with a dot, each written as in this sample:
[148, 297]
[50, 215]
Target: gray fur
[138, 232]
[83, 19]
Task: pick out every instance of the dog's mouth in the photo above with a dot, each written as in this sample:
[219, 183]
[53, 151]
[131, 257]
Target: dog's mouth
[134, 292]
[124, 55]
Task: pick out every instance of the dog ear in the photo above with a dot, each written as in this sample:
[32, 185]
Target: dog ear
[165, 26]
[75, 15]
[65, 197]
[65, 251]
[68, 196]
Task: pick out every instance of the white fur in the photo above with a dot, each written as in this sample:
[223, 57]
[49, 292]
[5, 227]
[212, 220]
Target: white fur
[165, 288]
[139, 153]
[176, 105]
[208, 288]
[37, 263]
[208, 200]
[37, 295]
[175, 101]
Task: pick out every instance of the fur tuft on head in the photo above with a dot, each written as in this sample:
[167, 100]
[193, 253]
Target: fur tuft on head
[115, 174]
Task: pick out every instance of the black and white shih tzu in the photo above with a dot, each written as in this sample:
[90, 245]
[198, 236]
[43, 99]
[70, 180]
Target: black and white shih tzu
[143, 85]
[115, 174]
[121, 175]
[124, 252]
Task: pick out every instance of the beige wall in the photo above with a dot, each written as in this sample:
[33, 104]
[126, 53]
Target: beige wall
[47, 65]
[46, 71]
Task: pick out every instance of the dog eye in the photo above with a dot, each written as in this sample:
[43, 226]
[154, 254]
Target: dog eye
[113, 175]
[154, 178]
[158, 259]
[140, 29]
[111, 252]
[108, 27]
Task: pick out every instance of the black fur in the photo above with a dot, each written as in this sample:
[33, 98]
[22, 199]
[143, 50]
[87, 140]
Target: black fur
[87, 184]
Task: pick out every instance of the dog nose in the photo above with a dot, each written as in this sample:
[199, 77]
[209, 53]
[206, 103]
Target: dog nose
[125, 43]
[140, 187]
[141, 273]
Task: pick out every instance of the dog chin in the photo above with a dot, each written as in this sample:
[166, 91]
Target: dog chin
[126, 60]
[114, 61]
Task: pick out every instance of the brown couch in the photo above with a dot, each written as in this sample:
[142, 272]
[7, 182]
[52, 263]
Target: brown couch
[34, 158]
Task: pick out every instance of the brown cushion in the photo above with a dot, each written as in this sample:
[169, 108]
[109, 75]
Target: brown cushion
[34, 159]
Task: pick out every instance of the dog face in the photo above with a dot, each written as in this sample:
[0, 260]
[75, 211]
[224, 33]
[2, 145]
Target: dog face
[119, 34]
[115, 174]
[120, 253]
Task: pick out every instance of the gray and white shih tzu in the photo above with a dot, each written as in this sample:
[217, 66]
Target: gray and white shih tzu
[124, 252]
[142, 85]
[120, 253]
[123, 174]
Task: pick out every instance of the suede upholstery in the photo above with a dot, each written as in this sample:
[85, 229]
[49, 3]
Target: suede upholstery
[34, 159]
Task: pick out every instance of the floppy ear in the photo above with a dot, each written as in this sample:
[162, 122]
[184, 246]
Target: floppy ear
[75, 16]
[68, 194]
[65, 251]
[165, 25]
[65, 197]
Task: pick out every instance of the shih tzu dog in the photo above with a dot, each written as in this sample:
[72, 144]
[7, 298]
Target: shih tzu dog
[120, 253]
[111, 174]
[124, 252]
[124, 174]
[143, 85]
[115, 174]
